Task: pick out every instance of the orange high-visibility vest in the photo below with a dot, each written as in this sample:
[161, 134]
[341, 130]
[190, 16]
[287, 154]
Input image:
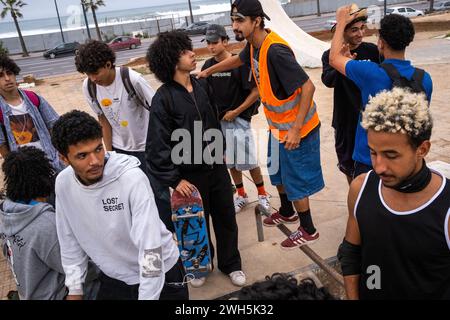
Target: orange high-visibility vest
[280, 114]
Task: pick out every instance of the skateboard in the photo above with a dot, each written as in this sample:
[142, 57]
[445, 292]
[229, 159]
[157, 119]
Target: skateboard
[192, 235]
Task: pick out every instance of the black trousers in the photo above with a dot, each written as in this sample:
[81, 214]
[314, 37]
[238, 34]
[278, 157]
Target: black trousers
[217, 195]
[162, 194]
[174, 289]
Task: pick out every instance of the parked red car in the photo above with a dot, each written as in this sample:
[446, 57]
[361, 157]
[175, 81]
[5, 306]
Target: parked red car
[124, 42]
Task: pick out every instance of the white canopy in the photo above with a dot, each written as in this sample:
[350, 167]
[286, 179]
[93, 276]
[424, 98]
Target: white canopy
[308, 50]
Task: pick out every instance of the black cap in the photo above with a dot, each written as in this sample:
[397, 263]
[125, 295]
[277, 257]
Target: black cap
[249, 8]
[215, 32]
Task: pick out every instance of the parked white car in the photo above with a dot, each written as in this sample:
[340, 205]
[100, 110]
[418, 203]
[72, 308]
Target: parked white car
[405, 11]
[329, 24]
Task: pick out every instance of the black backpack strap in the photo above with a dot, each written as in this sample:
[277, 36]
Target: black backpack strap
[393, 73]
[125, 75]
[92, 90]
[415, 84]
[417, 78]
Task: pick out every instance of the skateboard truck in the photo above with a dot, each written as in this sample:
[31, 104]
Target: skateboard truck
[176, 217]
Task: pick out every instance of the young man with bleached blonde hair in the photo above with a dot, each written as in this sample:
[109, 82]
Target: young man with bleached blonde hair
[397, 243]
[396, 33]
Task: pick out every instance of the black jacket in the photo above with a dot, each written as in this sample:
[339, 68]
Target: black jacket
[174, 108]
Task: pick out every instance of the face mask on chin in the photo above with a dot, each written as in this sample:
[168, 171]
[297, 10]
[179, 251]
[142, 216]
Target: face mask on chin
[415, 183]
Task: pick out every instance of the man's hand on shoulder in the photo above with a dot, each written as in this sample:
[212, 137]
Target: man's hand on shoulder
[345, 51]
[202, 74]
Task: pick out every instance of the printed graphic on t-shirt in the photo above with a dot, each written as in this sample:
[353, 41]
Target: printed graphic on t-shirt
[113, 111]
[23, 129]
[112, 204]
[256, 63]
[106, 102]
[222, 75]
[256, 69]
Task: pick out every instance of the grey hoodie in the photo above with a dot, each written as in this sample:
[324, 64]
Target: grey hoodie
[30, 243]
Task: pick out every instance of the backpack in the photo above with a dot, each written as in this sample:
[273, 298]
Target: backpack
[415, 84]
[34, 98]
[125, 75]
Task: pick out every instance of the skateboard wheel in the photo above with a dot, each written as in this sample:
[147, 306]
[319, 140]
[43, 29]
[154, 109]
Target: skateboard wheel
[201, 214]
[174, 217]
[209, 267]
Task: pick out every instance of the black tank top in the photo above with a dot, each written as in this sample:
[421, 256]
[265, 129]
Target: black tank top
[409, 251]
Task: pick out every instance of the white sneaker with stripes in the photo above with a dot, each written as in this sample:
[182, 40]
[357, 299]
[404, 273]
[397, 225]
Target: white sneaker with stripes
[239, 203]
[264, 202]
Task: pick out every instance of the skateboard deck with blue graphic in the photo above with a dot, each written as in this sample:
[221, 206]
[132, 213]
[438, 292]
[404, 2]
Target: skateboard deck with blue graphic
[192, 235]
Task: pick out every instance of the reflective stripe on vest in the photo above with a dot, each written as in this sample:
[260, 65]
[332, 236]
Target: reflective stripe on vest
[280, 114]
[286, 126]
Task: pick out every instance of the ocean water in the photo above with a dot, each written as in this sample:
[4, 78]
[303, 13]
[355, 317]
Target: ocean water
[75, 19]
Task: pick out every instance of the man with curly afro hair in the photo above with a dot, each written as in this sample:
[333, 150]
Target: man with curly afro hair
[281, 286]
[123, 119]
[397, 243]
[178, 150]
[27, 225]
[106, 210]
[395, 34]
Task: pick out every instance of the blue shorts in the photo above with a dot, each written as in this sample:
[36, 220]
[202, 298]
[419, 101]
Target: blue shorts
[298, 170]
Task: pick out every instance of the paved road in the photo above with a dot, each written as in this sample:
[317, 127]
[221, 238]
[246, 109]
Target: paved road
[42, 68]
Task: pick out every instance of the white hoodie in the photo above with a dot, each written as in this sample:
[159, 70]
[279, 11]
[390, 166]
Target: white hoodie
[116, 223]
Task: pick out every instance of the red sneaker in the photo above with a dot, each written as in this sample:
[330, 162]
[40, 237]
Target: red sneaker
[299, 238]
[276, 218]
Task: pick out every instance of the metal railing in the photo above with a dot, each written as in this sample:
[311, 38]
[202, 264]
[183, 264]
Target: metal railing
[305, 248]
